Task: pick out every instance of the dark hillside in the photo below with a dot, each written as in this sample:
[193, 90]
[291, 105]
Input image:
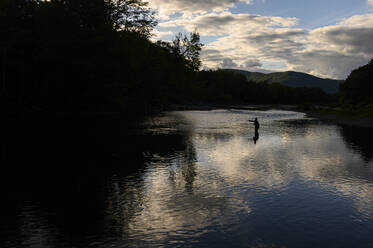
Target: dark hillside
[293, 79]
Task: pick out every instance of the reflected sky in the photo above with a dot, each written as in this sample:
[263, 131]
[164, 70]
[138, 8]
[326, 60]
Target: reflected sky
[201, 181]
[223, 185]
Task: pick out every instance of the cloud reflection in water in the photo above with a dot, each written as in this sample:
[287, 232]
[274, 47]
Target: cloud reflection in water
[220, 178]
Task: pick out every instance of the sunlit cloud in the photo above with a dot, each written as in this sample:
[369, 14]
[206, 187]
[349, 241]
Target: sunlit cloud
[255, 42]
[161, 35]
[337, 49]
[332, 51]
[169, 7]
[226, 163]
[312, 154]
[227, 23]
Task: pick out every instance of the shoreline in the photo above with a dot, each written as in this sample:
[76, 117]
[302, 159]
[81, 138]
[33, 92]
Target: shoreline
[208, 107]
[337, 118]
[321, 113]
[342, 119]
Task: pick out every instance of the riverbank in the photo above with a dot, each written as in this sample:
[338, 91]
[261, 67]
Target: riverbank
[207, 107]
[359, 117]
[339, 116]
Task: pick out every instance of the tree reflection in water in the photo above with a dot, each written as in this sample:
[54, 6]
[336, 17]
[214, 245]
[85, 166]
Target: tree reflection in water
[360, 140]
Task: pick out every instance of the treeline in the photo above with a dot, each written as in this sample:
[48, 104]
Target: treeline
[89, 55]
[76, 56]
[224, 86]
[355, 94]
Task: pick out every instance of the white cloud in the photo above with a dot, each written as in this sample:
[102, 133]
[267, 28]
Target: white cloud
[332, 51]
[228, 63]
[248, 41]
[161, 35]
[243, 35]
[337, 49]
[250, 64]
[370, 2]
[168, 7]
[227, 23]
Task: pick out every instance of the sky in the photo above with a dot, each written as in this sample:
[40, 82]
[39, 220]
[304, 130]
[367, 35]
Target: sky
[326, 38]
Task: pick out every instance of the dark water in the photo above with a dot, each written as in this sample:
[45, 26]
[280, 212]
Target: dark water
[190, 179]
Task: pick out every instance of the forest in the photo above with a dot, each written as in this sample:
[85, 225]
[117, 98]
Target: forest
[76, 57]
[358, 87]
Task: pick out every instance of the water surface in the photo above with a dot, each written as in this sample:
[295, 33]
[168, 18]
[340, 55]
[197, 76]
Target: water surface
[198, 179]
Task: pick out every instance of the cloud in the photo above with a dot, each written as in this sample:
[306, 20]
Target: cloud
[169, 7]
[338, 49]
[353, 35]
[219, 60]
[332, 51]
[254, 42]
[228, 63]
[370, 2]
[252, 63]
[327, 64]
[157, 35]
[250, 48]
[228, 23]
[211, 55]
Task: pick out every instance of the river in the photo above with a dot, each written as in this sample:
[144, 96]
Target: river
[197, 179]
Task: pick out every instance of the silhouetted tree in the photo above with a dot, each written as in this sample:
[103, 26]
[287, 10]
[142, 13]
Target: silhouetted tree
[187, 49]
[358, 86]
[132, 16]
[95, 55]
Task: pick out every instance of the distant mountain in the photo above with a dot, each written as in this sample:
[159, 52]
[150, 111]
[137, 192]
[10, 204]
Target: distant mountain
[292, 79]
